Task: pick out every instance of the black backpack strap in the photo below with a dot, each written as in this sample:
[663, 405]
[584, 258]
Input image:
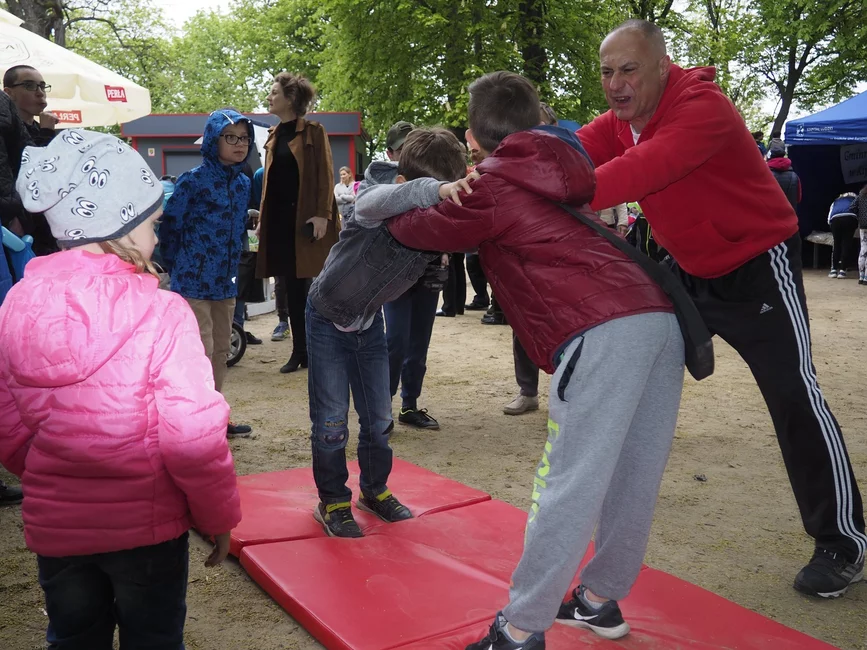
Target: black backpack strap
[697, 338]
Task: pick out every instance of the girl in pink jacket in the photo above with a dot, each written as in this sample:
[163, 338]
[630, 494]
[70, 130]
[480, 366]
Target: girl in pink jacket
[108, 411]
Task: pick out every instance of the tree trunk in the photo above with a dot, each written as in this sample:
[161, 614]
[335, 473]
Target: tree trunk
[43, 17]
[530, 37]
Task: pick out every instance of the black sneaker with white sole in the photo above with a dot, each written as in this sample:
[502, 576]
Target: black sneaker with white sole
[418, 418]
[385, 506]
[606, 621]
[337, 520]
[828, 575]
[497, 639]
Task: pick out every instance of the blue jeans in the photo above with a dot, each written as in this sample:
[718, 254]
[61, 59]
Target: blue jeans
[340, 361]
[142, 591]
[240, 312]
[409, 322]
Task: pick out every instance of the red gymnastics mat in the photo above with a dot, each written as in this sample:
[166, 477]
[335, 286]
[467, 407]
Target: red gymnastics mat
[278, 506]
[435, 583]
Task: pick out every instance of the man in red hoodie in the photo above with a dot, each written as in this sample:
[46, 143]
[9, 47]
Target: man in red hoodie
[674, 142]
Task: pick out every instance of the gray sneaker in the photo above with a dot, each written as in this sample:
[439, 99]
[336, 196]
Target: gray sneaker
[281, 332]
[521, 404]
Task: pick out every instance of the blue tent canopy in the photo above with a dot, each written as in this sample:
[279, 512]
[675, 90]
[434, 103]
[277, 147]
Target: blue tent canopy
[840, 124]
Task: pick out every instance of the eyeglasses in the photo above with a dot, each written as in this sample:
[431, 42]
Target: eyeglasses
[237, 139]
[33, 86]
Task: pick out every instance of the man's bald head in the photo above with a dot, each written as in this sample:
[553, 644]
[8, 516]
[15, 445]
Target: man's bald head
[634, 67]
[644, 29]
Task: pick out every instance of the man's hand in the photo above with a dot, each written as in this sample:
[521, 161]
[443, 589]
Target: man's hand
[48, 121]
[320, 225]
[221, 550]
[451, 190]
[623, 229]
[444, 261]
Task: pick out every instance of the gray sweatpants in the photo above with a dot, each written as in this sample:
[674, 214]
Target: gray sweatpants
[613, 409]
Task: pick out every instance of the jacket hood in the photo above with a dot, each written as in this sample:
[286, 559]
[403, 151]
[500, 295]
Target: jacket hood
[681, 81]
[381, 172]
[780, 164]
[70, 314]
[217, 121]
[546, 160]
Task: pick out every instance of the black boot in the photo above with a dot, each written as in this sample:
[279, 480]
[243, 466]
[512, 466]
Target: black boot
[297, 360]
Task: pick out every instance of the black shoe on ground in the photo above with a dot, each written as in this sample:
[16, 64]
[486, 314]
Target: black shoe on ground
[828, 575]
[496, 318]
[418, 418]
[607, 621]
[295, 361]
[440, 312]
[9, 495]
[337, 520]
[252, 339]
[497, 639]
[477, 306]
[238, 430]
[385, 506]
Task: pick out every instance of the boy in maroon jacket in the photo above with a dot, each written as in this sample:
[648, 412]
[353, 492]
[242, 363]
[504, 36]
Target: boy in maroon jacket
[572, 299]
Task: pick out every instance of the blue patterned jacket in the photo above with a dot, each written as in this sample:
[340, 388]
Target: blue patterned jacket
[203, 227]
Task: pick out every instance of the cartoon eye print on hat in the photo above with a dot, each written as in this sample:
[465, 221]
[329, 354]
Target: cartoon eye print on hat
[25, 157]
[75, 233]
[47, 165]
[73, 137]
[63, 193]
[85, 208]
[89, 165]
[147, 177]
[128, 213]
[98, 179]
[33, 186]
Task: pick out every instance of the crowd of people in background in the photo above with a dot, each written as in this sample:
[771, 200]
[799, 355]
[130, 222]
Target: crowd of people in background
[359, 269]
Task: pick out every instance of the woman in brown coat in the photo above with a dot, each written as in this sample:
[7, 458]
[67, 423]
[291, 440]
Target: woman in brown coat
[298, 216]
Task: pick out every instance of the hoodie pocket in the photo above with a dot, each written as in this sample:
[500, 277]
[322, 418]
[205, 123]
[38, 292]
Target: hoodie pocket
[695, 244]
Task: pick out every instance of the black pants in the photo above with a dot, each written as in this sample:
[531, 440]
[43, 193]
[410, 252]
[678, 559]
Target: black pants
[526, 372]
[290, 295]
[455, 291]
[478, 280]
[761, 311]
[142, 591]
[843, 228]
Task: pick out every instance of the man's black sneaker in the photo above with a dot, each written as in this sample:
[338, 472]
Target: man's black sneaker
[10, 496]
[337, 520]
[497, 639]
[607, 621]
[417, 418]
[496, 318]
[252, 339]
[238, 430]
[385, 506]
[828, 575]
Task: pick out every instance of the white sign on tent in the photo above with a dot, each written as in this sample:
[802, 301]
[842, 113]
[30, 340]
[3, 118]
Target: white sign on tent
[853, 160]
[83, 93]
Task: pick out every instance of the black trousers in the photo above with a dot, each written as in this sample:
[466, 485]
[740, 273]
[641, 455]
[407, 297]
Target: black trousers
[526, 372]
[761, 311]
[290, 294]
[478, 279]
[455, 291]
[843, 228]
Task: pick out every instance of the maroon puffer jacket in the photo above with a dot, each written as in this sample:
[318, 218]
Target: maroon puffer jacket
[553, 276]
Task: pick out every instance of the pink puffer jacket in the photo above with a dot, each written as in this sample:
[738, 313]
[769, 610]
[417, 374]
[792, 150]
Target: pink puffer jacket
[108, 410]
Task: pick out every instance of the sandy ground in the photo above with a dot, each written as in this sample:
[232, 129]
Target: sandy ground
[737, 534]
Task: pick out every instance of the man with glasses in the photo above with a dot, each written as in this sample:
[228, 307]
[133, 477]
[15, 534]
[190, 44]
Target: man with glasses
[28, 90]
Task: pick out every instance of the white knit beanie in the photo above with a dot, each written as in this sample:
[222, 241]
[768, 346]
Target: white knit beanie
[91, 187]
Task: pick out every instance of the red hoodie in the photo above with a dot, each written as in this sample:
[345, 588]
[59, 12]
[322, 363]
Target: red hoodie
[702, 183]
[553, 276]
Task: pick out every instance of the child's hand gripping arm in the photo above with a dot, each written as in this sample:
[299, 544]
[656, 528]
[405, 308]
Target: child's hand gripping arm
[192, 429]
[15, 437]
[376, 203]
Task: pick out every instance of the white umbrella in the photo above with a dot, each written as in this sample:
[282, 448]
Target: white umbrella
[83, 93]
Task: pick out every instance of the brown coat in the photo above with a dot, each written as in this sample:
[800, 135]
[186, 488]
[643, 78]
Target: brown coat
[315, 199]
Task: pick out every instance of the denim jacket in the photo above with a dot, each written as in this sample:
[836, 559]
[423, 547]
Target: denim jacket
[367, 267]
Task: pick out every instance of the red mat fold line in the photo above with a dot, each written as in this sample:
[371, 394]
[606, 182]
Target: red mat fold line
[278, 506]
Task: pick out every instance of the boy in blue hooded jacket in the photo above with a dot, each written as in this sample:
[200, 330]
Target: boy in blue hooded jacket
[202, 233]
